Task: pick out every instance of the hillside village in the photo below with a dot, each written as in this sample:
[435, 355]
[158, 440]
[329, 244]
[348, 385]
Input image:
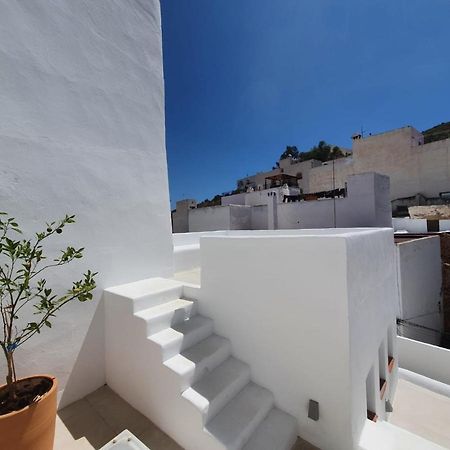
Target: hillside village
[309, 310]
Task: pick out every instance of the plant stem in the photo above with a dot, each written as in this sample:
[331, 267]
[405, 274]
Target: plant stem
[11, 376]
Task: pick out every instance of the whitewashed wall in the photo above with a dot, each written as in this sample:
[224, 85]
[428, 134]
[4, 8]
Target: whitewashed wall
[416, 225]
[367, 205]
[209, 219]
[259, 219]
[82, 132]
[231, 217]
[420, 282]
[409, 225]
[424, 359]
[287, 315]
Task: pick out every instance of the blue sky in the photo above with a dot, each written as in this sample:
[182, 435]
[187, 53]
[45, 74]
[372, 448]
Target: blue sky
[245, 78]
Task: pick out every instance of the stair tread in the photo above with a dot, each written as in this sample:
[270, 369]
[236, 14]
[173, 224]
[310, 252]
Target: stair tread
[197, 354]
[141, 288]
[219, 386]
[205, 348]
[193, 323]
[180, 330]
[278, 431]
[182, 335]
[164, 308]
[241, 416]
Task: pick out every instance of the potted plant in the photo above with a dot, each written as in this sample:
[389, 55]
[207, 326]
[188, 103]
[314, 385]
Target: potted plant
[28, 405]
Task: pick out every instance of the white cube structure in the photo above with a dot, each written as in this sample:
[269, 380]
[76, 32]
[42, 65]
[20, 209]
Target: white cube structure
[313, 313]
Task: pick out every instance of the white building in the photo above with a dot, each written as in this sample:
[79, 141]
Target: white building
[364, 203]
[249, 358]
[414, 168]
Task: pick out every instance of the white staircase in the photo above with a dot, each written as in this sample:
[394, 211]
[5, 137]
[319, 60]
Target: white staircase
[165, 360]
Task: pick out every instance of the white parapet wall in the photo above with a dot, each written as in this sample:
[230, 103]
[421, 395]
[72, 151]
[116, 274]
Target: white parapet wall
[425, 359]
[416, 225]
[231, 217]
[313, 313]
[420, 284]
[366, 205]
[82, 132]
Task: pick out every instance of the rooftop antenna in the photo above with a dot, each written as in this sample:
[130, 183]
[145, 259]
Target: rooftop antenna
[362, 131]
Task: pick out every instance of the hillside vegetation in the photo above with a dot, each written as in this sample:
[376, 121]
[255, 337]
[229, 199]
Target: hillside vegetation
[437, 133]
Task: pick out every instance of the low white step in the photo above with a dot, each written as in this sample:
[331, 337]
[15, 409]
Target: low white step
[149, 292]
[278, 431]
[211, 393]
[234, 425]
[198, 360]
[182, 336]
[164, 316]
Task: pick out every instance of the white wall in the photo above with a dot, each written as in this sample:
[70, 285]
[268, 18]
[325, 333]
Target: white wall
[259, 218]
[186, 249]
[367, 205]
[209, 219]
[409, 225]
[231, 217]
[420, 282]
[287, 316]
[82, 132]
[240, 217]
[424, 359]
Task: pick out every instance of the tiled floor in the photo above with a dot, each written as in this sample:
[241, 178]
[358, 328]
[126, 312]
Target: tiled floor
[96, 419]
[99, 417]
[423, 412]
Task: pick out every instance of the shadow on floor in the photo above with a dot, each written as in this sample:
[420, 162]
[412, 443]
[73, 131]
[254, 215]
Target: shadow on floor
[101, 416]
[93, 421]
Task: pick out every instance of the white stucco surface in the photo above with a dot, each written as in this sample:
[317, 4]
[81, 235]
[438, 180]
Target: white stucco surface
[230, 217]
[82, 132]
[409, 225]
[420, 283]
[366, 205]
[425, 359]
[305, 338]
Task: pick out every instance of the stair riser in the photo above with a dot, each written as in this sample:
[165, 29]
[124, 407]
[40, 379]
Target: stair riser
[197, 371]
[183, 342]
[211, 363]
[197, 335]
[245, 436]
[157, 298]
[170, 318]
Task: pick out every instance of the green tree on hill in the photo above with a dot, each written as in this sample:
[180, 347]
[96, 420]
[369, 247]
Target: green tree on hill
[322, 152]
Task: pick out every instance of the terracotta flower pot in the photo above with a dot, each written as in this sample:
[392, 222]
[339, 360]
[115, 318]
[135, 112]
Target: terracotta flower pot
[33, 427]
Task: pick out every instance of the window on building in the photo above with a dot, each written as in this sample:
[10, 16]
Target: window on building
[299, 175]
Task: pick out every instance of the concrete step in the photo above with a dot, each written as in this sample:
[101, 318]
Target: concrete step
[149, 292]
[278, 431]
[234, 425]
[164, 316]
[200, 359]
[212, 392]
[182, 336]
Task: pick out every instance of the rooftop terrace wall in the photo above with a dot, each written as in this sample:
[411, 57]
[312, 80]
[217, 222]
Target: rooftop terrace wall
[306, 310]
[82, 132]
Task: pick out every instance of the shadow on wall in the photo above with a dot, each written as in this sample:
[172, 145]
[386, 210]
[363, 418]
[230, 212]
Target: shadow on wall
[88, 372]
